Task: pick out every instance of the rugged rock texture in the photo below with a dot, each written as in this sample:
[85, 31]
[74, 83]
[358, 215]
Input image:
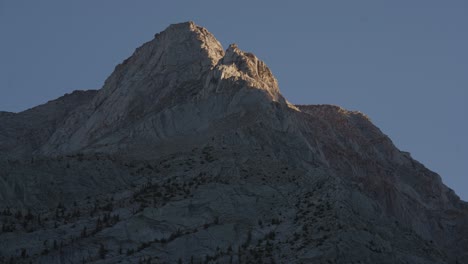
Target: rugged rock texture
[190, 154]
[23, 133]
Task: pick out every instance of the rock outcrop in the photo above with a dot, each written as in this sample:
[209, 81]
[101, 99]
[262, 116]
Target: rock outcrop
[190, 154]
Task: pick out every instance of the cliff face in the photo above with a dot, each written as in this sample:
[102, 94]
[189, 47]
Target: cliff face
[189, 152]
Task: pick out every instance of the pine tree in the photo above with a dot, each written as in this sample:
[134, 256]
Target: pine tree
[102, 251]
[84, 233]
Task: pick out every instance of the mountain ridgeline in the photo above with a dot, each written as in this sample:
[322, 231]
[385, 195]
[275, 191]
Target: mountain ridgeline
[190, 154]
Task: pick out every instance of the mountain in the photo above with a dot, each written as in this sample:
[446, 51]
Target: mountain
[190, 154]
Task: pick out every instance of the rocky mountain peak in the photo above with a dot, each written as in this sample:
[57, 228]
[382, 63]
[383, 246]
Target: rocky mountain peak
[182, 52]
[168, 67]
[190, 154]
[182, 64]
[191, 40]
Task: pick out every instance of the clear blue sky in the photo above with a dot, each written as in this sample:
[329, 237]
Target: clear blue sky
[403, 63]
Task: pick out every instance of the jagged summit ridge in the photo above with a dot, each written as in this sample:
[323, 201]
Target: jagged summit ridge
[254, 69]
[181, 66]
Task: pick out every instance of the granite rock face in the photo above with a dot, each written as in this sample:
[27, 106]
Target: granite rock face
[190, 154]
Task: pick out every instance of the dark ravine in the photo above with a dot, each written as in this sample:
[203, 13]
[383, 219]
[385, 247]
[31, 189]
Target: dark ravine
[190, 154]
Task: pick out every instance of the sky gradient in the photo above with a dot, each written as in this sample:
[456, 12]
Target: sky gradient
[403, 63]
